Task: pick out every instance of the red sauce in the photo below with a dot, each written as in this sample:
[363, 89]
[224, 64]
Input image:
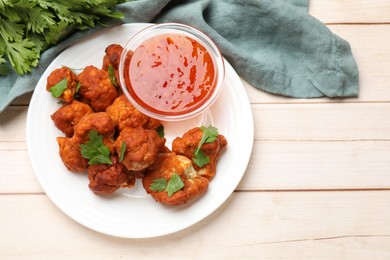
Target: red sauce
[170, 74]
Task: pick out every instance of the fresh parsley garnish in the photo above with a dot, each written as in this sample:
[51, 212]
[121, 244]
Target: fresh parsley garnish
[175, 184]
[123, 150]
[159, 184]
[210, 134]
[94, 150]
[201, 159]
[111, 75]
[59, 88]
[160, 131]
[78, 87]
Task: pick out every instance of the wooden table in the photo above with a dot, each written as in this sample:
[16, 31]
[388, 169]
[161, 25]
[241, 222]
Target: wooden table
[317, 185]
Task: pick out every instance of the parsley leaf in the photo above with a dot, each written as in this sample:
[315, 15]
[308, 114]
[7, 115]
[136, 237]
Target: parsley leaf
[159, 184]
[95, 150]
[59, 88]
[160, 131]
[175, 184]
[210, 134]
[201, 159]
[111, 75]
[123, 150]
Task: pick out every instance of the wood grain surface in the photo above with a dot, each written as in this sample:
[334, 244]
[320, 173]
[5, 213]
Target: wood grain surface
[317, 184]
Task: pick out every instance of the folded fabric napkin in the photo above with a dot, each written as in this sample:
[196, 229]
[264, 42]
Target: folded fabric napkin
[275, 45]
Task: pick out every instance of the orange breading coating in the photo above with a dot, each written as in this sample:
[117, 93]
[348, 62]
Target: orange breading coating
[142, 147]
[107, 178]
[68, 115]
[100, 121]
[59, 74]
[96, 88]
[70, 153]
[112, 57]
[126, 115]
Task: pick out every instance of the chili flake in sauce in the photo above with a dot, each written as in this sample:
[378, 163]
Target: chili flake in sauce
[170, 74]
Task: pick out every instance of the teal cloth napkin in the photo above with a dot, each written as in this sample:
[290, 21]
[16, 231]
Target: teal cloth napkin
[275, 45]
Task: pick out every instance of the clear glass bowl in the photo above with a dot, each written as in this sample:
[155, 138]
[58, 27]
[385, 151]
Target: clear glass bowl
[129, 84]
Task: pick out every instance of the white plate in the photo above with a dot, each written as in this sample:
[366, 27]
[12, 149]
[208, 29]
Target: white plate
[133, 213]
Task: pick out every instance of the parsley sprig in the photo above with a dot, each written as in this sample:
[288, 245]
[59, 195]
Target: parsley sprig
[175, 184]
[59, 88]
[94, 150]
[209, 135]
[111, 75]
[28, 27]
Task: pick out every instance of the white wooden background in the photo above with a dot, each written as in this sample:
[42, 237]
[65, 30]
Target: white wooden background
[317, 185]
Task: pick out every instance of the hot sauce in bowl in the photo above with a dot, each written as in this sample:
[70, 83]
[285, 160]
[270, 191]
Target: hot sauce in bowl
[171, 71]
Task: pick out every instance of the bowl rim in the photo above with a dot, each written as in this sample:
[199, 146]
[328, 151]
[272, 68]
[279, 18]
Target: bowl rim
[191, 32]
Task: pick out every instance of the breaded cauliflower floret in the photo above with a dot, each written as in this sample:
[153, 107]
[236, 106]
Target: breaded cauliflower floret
[68, 115]
[188, 143]
[101, 122]
[107, 178]
[112, 57]
[96, 88]
[165, 167]
[58, 75]
[70, 153]
[126, 115]
[142, 147]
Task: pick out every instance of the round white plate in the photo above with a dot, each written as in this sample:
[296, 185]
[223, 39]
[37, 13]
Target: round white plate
[131, 213]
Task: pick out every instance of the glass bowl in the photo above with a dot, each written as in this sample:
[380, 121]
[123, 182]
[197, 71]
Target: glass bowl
[171, 71]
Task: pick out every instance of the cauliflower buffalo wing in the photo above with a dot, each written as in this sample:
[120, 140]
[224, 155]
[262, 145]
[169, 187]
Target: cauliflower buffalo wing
[101, 122]
[107, 178]
[113, 57]
[187, 145]
[126, 115]
[70, 153]
[58, 75]
[142, 147]
[167, 165]
[67, 116]
[96, 88]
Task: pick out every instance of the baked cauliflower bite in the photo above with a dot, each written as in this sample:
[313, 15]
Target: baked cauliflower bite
[112, 57]
[188, 143]
[168, 164]
[70, 153]
[107, 178]
[124, 114]
[68, 115]
[96, 88]
[58, 75]
[142, 147]
[101, 122]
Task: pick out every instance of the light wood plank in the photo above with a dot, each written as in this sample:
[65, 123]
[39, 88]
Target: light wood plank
[370, 44]
[300, 224]
[17, 173]
[322, 122]
[293, 165]
[274, 165]
[346, 11]
[13, 124]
